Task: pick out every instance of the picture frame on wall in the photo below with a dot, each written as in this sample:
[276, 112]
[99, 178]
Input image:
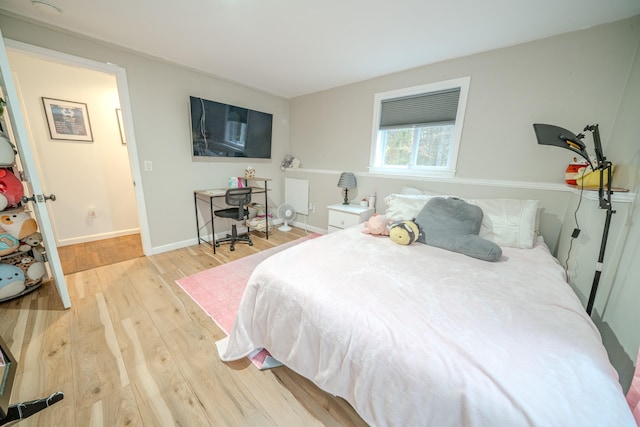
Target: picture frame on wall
[123, 137]
[67, 120]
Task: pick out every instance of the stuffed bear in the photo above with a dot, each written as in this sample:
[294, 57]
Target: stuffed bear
[31, 241]
[404, 232]
[377, 225]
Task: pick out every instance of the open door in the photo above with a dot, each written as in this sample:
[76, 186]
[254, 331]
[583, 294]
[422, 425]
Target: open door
[15, 120]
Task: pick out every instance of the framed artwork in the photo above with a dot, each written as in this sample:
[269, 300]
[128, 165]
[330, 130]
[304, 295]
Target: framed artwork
[123, 137]
[67, 120]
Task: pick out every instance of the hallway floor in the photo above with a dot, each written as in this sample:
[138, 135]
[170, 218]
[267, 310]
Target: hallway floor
[85, 256]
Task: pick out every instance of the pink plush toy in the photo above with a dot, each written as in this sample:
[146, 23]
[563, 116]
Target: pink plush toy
[377, 224]
[11, 190]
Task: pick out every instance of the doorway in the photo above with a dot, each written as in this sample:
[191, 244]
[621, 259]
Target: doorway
[94, 181]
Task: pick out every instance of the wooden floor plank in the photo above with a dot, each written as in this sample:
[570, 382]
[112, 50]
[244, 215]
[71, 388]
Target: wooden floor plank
[135, 350]
[117, 409]
[88, 255]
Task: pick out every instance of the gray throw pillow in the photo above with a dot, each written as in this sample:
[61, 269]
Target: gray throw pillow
[454, 224]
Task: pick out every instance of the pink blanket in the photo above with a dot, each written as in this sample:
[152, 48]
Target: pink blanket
[416, 335]
[633, 395]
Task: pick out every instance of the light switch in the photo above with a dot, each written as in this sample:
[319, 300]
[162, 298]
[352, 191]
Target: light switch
[148, 166]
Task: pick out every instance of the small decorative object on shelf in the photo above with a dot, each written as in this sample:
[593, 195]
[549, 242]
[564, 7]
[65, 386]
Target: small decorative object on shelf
[249, 172]
[575, 169]
[290, 162]
[286, 163]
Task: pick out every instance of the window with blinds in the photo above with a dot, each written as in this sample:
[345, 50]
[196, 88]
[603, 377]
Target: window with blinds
[417, 130]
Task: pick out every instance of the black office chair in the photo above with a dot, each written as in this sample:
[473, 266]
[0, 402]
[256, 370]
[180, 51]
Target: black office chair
[239, 198]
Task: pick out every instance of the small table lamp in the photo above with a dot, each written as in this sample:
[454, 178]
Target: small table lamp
[347, 181]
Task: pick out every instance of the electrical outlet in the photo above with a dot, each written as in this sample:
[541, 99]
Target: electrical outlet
[312, 207]
[92, 212]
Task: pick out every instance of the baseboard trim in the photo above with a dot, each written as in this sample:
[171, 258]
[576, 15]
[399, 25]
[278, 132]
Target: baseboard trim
[191, 242]
[96, 237]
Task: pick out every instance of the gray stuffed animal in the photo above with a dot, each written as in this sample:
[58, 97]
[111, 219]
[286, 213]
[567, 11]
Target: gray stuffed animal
[454, 224]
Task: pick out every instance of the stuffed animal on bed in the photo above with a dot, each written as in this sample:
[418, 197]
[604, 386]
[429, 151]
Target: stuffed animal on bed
[404, 232]
[377, 225]
[454, 224]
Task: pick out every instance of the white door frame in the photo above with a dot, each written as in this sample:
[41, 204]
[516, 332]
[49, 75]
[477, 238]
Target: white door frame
[125, 106]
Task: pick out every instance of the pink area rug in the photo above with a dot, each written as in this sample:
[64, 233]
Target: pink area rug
[218, 291]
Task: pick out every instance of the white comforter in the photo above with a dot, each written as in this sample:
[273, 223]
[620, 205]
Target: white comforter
[416, 335]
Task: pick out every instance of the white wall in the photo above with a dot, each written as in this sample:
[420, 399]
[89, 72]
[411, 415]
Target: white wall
[159, 94]
[81, 174]
[571, 80]
[618, 309]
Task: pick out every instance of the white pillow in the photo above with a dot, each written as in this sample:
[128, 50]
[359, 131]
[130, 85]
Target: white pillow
[405, 206]
[508, 222]
[410, 191]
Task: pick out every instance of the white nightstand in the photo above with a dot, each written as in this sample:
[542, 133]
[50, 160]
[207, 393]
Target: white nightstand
[344, 216]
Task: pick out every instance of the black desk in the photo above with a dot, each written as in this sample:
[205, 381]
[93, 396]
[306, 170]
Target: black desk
[209, 195]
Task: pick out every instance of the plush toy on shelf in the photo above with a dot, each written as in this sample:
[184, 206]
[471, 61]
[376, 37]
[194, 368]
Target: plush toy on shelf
[8, 244]
[18, 224]
[11, 281]
[376, 225]
[32, 269]
[11, 190]
[30, 242]
[7, 151]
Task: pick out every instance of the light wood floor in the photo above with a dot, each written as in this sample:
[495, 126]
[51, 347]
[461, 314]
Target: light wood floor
[135, 350]
[84, 256]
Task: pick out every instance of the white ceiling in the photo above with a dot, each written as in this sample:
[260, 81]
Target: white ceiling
[295, 47]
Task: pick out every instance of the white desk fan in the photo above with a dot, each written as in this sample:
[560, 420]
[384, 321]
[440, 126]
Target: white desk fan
[286, 213]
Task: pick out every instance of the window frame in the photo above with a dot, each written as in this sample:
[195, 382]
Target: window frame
[375, 162]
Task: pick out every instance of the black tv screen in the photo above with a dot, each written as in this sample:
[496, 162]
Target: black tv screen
[223, 130]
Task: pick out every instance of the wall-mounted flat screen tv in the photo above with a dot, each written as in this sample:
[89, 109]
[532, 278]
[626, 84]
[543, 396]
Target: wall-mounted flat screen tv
[223, 130]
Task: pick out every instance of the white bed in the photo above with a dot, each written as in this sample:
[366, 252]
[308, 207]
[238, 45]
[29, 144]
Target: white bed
[416, 335]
